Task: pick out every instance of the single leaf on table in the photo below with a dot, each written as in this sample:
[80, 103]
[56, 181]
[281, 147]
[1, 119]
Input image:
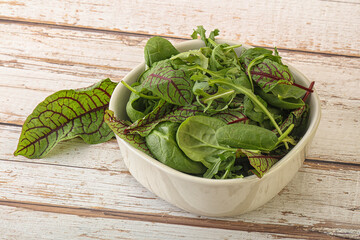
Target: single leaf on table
[64, 115]
[157, 49]
[119, 128]
[261, 163]
[174, 86]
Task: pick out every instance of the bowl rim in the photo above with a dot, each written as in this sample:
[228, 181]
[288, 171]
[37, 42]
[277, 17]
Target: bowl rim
[312, 127]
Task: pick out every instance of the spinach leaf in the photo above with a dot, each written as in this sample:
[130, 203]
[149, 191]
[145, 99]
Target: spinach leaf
[162, 144]
[64, 115]
[288, 91]
[246, 136]
[174, 86]
[119, 127]
[196, 138]
[157, 49]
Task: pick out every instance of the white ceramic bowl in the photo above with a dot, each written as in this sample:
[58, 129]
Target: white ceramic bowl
[212, 197]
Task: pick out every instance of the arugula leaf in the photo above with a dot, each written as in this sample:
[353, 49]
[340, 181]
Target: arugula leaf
[157, 49]
[201, 32]
[192, 57]
[64, 115]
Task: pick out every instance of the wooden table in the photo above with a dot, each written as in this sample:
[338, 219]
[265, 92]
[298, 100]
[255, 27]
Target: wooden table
[85, 192]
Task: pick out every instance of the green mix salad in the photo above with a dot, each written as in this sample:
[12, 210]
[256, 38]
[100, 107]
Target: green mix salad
[211, 112]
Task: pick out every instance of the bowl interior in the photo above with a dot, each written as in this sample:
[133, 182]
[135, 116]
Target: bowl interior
[121, 95]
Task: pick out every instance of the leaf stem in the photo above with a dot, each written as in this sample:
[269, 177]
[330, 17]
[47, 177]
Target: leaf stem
[285, 134]
[254, 99]
[138, 93]
[232, 46]
[212, 42]
[206, 70]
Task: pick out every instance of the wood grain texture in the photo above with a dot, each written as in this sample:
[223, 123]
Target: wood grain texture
[62, 59]
[326, 26]
[305, 203]
[95, 223]
[100, 224]
[86, 192]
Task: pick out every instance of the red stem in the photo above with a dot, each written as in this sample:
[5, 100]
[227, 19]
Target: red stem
[302, 87]
[308, 92]
[238, 120]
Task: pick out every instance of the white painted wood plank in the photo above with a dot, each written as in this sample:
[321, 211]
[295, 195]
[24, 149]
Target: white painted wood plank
[317, 198]
[44, 225]
[326, 26]
[58, 59]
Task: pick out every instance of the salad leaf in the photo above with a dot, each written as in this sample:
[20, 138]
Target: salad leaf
[174, 86]
[196, 138]
[119, 128]
[162, 144]
[261, 163]
[201, 32]
[246, 136]
[283, 103]
[64, 115]
[157, 49]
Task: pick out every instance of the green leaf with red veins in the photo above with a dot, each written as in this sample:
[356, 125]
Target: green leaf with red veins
[64, 115]
[120, 129]
[232, 116]
[174, 86]
[178, 114]
[261, 163]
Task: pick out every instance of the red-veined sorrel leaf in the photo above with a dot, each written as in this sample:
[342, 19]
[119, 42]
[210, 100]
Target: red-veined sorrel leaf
[64, 115]
[295, 117]
[160, 110]
[261, 163]
[268, 74]
[178, 114]
[232, 116]
[119, 127]
[174, 86]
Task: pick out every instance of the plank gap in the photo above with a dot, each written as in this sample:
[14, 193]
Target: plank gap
[29, 22]
[295, 231]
